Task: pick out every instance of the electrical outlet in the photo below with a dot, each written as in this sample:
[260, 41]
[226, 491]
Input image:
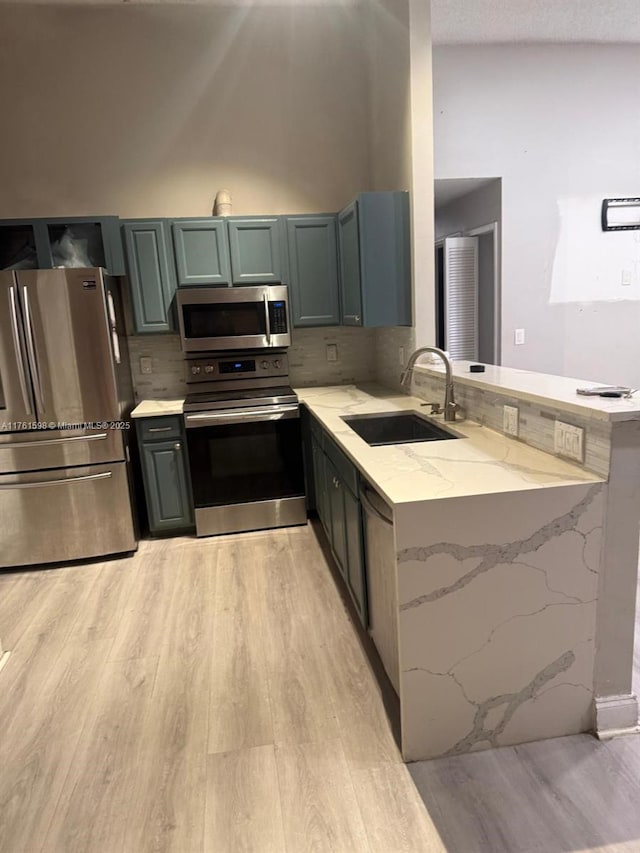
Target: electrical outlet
[401, 355]
[510, 420]
[627, 277]
[146, 365]
[332, 352]
[518, 337]
[569, 441]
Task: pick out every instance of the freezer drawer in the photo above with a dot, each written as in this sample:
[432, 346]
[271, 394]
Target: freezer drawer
[48, 517]
[40, 449]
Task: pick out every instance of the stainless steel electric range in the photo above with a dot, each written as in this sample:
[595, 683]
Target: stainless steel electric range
[244, 445]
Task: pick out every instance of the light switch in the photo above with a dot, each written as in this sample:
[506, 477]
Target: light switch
[518, 337]
[626, 277]
[569, 441]
[332, 352]
[510, 420]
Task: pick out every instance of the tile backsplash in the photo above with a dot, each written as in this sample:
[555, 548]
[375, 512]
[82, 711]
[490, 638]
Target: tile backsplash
[308, 365]
[388, 344]
[355, 350]
[166, 382]
[536, 421]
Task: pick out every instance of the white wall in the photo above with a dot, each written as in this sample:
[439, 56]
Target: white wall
[561, 125]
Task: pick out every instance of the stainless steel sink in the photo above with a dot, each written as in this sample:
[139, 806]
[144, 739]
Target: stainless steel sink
[396, 428]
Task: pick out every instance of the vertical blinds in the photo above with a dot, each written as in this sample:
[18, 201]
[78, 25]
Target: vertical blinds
[461, 297]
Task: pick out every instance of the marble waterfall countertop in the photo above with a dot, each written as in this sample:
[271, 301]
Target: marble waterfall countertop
[481, 462]
[157, 408]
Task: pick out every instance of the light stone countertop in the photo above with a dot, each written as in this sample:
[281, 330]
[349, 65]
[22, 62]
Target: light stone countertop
[483, 462]
[157, 408]
[557, 391]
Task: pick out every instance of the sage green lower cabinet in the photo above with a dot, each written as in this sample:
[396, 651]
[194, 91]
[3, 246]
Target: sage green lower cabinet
[338, 520]
[313, 270]
[151, 270]
[202, 252]
[336, 500]
[355, 553]
[165, 475]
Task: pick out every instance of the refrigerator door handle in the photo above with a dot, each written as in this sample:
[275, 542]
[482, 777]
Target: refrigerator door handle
[21, 445]
[22, 374]
[62, 482]
[31, 350]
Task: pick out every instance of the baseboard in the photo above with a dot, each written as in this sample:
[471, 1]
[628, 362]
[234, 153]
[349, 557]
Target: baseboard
[616, 716]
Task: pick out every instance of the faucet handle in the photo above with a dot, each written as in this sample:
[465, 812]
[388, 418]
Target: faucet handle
[436, 408]
[453, 408]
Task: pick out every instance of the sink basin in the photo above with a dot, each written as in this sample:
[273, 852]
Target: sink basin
[396, 428]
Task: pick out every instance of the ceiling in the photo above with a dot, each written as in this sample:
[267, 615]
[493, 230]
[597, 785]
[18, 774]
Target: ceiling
[450, 189]
[478, 21]
[485, 21]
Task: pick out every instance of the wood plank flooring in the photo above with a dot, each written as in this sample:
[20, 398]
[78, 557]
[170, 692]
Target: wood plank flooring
[202, 696]
[206, 696]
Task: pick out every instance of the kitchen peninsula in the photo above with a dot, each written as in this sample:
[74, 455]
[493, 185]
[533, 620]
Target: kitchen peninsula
[514, 570]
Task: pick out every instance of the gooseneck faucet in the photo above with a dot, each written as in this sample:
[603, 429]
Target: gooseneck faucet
[450, 405]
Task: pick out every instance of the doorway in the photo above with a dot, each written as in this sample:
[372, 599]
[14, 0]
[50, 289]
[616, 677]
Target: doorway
[467, 268]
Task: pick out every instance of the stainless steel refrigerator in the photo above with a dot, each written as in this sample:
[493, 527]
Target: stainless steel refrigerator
[65, 394]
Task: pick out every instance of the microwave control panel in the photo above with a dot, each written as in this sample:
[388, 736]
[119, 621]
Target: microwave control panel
[278, 318]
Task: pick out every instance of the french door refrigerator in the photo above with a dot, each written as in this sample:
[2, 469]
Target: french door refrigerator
[65, 393]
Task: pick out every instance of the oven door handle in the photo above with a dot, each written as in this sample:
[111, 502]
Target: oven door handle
[266, 318]
[241, 416]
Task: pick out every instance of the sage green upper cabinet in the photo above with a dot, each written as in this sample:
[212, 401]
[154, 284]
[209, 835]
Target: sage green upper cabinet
[151, 269]
[313, 270]
[351, 293]
[375, 263]
[257, 250]
[202, 251]
[72, 241]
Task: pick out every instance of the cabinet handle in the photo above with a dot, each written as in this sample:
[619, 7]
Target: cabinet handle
[177, 446]
[160, 429]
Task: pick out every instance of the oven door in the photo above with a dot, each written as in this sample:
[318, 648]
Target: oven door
[246, 469]
[233, 318]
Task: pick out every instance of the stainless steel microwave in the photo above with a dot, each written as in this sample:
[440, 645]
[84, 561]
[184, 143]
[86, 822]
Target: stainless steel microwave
[213, 318]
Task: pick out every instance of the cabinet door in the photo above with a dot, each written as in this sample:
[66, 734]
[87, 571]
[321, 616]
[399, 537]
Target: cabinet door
[321, 491]
[256, 250]
[385, 262]
[151, 274]
[338, 526]
[349, 246]
[166, 486]
[355, 575]
[202, 252]
[67, 242]
[313, 267]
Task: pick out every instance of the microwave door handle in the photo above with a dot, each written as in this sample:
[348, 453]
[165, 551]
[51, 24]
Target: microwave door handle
[31, 349]
[266, 318]
[22, 374]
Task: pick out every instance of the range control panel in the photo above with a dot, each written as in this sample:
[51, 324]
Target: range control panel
[242, 366]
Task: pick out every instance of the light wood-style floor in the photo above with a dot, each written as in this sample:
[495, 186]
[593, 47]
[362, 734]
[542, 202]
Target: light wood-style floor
[214, 695]
[203, 695]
